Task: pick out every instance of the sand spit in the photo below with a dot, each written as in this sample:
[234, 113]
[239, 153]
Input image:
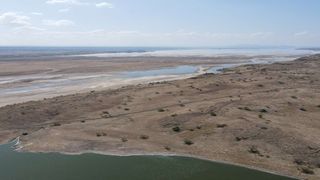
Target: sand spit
[263, 116]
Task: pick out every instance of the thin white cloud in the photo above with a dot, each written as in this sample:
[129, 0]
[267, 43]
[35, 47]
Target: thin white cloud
[303, 33]
[14, 19]
[69, 2]
[64, 10]
[104, 5]
[30, 28]
[18, 22]
[261, 34]
[37, 13]
[58, 23]
[79, 2]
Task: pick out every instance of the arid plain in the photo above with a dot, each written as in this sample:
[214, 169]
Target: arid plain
[260, 116]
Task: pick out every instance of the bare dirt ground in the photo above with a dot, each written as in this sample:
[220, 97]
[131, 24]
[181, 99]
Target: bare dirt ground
[261, 116]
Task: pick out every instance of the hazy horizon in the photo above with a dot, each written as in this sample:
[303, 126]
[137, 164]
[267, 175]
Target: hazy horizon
[189, 23]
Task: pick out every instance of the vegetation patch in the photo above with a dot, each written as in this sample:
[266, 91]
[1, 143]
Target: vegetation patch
[144, 137]
[56, 124]
[213, 114]
[101, 134]
[263, 111]
[306, 170]
[24, 134]
[176, 129]
[221, 125]
[254, 150]
[303, 109]
[188, 142]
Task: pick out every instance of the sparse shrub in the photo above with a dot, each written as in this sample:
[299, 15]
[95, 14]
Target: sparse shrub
[24, 134]
[174, 115]
[188, 142]
[263, 111]
[144, 137]
[126, 109]
[105, 114]
[176, 129]
[213, 114]
[307, 170]
[56, 124]
[245, 108]
[124, 139]
[161, 110]
[101, 134]
[303, 109]
[298, 161]
[254, 150]
[167, 148]
[260, 116]
[238, 138]
[221, 125]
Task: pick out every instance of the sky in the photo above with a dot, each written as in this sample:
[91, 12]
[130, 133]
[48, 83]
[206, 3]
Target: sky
[196, 23]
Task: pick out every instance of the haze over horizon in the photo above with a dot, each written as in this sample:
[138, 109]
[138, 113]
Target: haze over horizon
[159, 23]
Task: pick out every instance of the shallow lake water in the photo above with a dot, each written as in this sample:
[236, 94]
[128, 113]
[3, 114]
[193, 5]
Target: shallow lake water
[178, 70]
[54, 166]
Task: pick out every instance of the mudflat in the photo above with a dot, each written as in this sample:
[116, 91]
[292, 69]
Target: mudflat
[261, 116]
[35, 78]
[67, 65]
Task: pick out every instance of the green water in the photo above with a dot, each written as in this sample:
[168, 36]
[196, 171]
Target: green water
[55, 166]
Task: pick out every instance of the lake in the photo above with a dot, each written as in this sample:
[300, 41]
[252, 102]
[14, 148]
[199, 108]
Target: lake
[55, 166]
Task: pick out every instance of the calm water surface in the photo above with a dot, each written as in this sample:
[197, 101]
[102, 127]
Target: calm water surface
[54, 166]
[178, 70]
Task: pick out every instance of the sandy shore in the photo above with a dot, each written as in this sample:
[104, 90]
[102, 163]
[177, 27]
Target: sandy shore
[263, 116]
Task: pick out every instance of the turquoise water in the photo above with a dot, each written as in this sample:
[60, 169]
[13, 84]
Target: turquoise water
[55, 166]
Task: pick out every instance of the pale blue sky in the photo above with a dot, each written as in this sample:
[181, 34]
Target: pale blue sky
[160, 22]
